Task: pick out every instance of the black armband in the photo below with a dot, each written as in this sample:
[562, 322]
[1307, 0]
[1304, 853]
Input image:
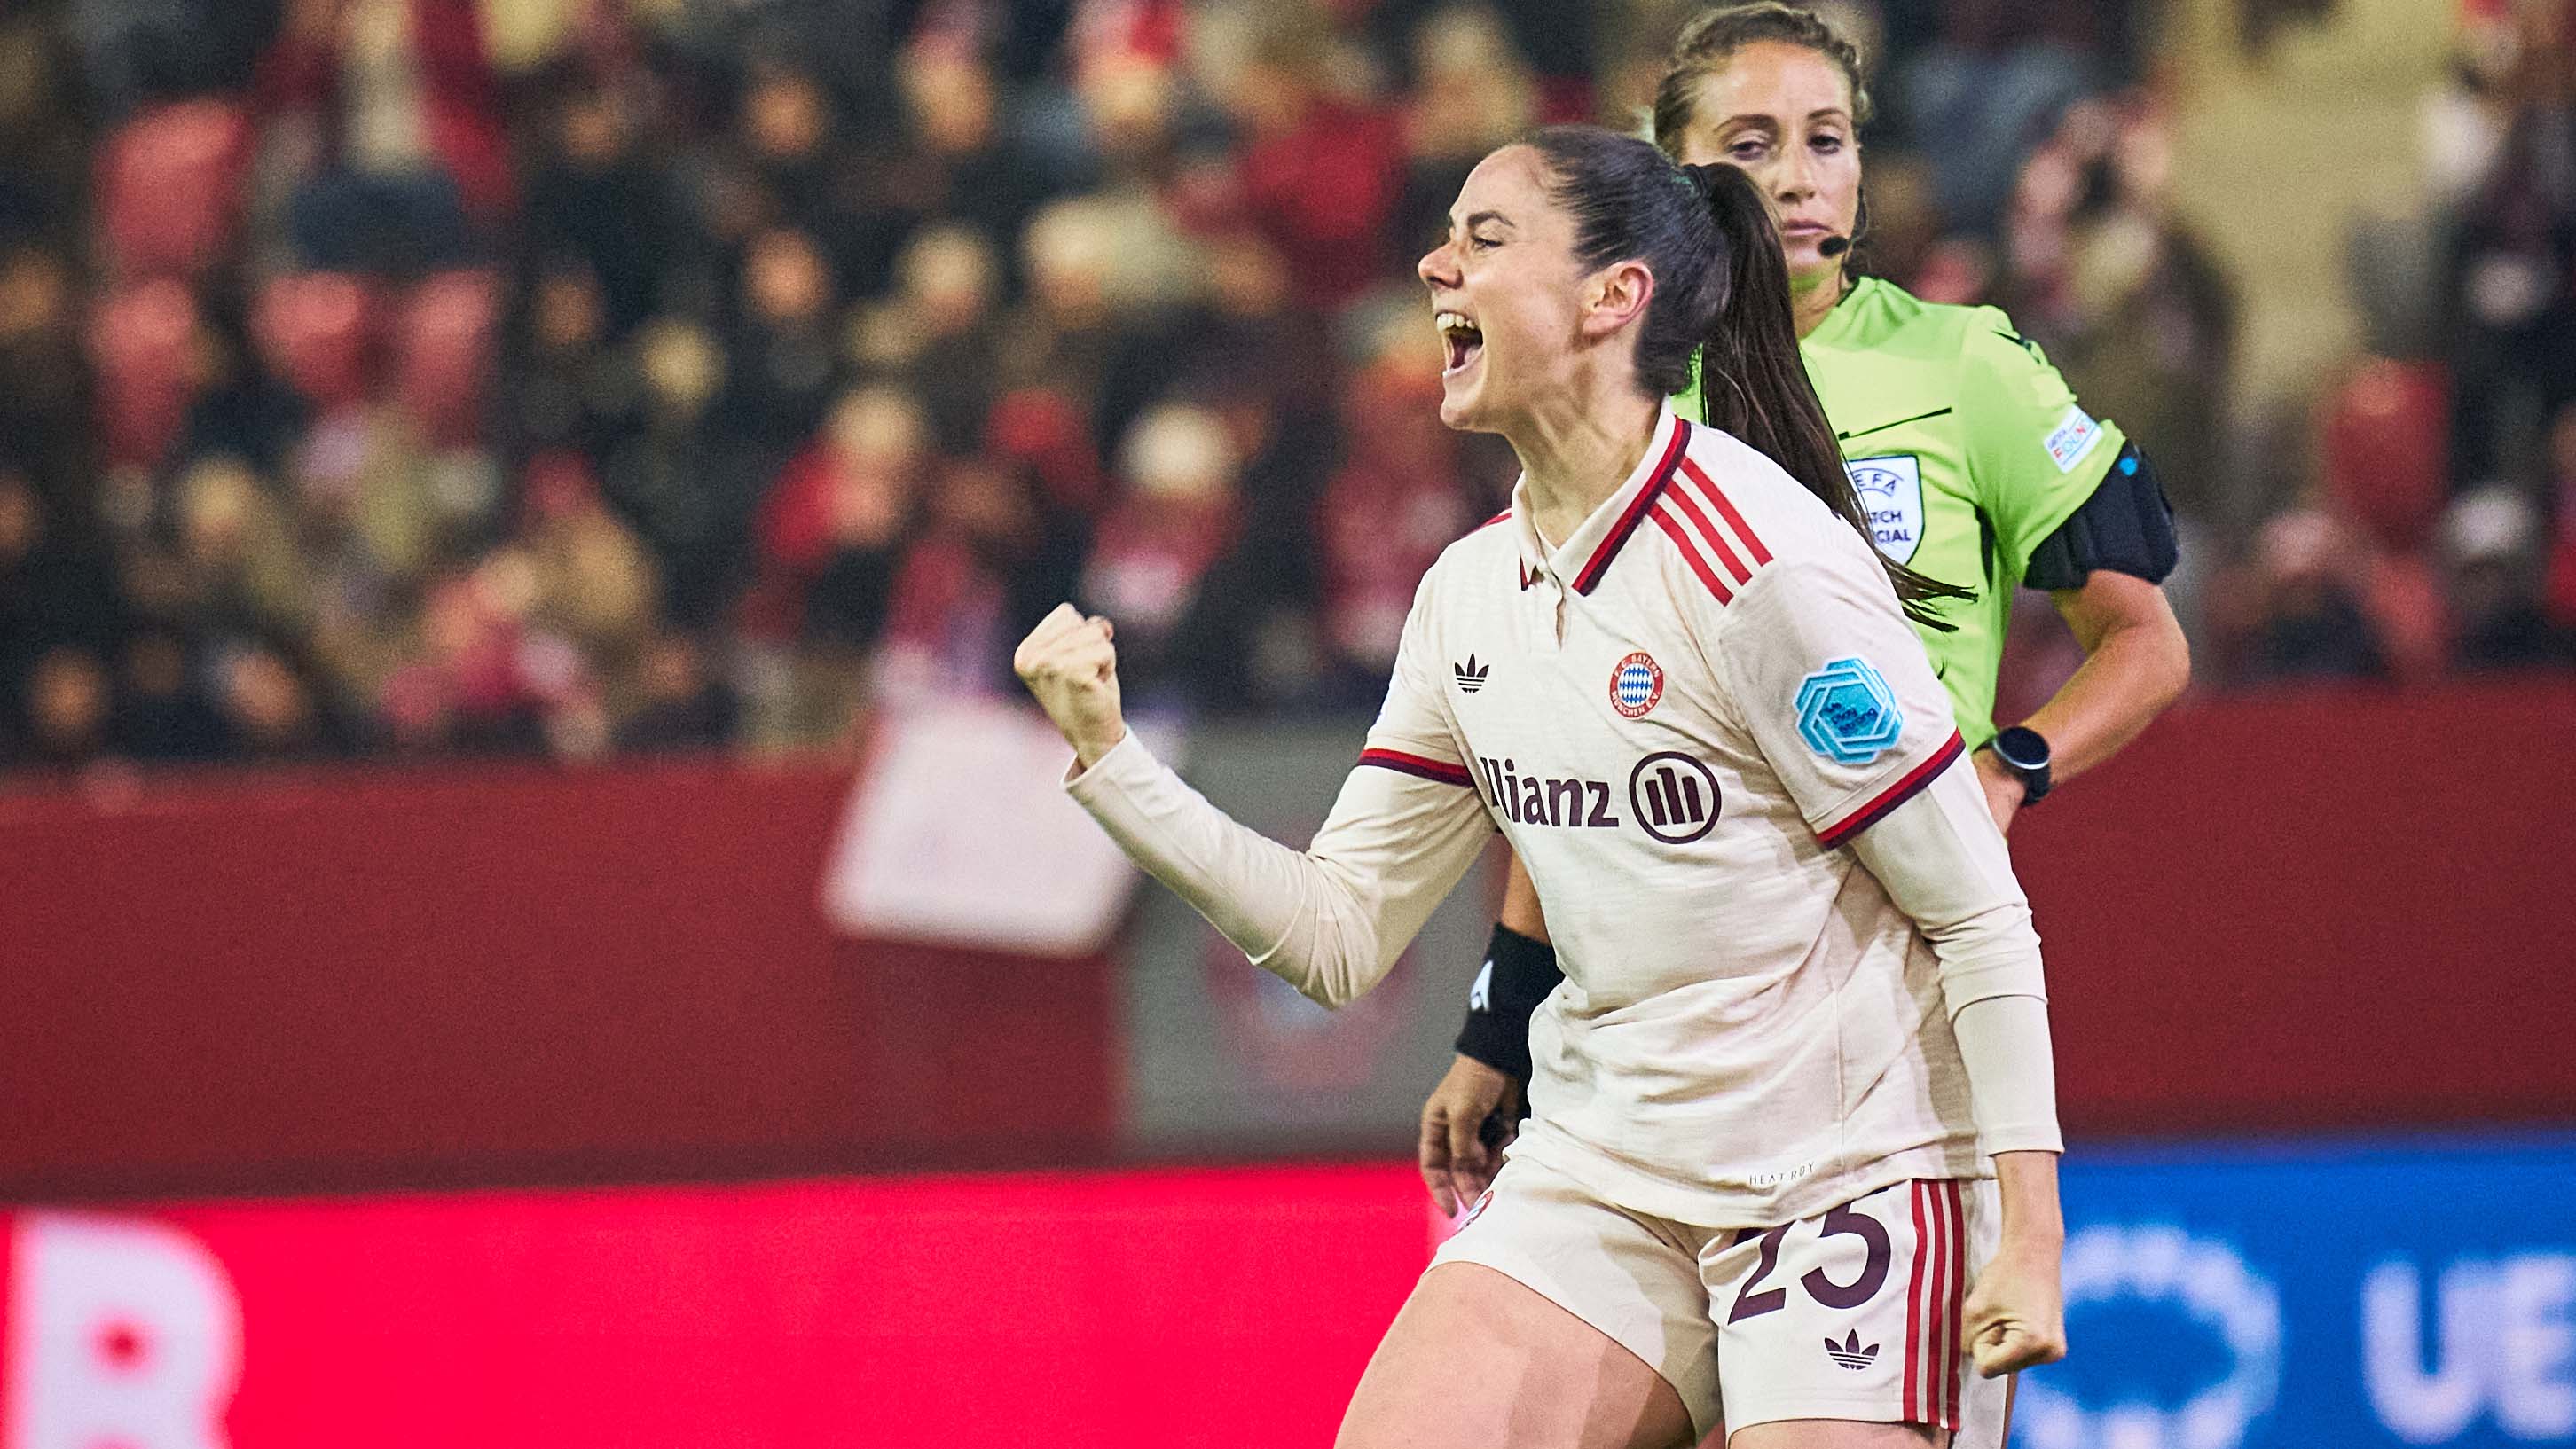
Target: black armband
[1519, 973]
[2126, 527]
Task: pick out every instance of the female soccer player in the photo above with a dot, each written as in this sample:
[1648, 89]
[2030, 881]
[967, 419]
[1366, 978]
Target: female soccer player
[1973, 459]
[1780, 1070]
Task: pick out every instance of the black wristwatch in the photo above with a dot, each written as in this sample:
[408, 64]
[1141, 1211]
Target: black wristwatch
[2025, 753]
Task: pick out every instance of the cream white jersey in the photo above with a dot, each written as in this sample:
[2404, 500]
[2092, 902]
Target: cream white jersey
[1676, 716]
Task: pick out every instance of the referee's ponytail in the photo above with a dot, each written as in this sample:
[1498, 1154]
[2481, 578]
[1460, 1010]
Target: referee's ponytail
[1721, 296]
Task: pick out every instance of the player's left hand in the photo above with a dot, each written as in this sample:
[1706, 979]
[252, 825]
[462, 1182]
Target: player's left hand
[2003, 789]
[2016, 1313]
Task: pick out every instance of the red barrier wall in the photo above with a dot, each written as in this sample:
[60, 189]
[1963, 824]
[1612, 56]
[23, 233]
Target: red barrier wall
[2324, 909]
[361, 978]
[2328, 910]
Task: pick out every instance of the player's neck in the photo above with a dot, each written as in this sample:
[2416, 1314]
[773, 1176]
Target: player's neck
[1576, 452]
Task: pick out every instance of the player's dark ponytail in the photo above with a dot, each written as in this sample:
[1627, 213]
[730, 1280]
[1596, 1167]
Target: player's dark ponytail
[1754, 383]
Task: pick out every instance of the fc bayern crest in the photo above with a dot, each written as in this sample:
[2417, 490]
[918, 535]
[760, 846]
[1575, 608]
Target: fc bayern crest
[1636, 684]
[1891, 493]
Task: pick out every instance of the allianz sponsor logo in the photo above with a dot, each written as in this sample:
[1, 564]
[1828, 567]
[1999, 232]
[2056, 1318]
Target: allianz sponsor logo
[1672, 796]
[1533, 799]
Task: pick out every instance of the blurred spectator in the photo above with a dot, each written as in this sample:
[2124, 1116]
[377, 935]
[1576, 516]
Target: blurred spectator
[814, 181]
[992, 558]
[1396, 502]
[679, 375]
[598, 199]
[2311, 622]
[53, 590]
[239, 406]
[1177, 516]
[1318, 167]
[2513, 272]
[785, 355]
[1996, 76]
[832, 533]
[271, 708]
[1472, 94]
[595, 583]
[938, 332]
[2491, 540]
[566, 387]
[44, 161]
[44, 422]
[967, 169]
[162, 714]
[688, 487]
[67, 711]
[2108, 279]
[1084, 333]
[680, 703]
[402, 110]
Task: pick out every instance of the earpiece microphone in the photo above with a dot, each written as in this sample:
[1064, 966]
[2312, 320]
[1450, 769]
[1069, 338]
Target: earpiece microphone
[1833, 246]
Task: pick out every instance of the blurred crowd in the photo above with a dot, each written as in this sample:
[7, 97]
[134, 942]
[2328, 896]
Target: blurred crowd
[563, 377]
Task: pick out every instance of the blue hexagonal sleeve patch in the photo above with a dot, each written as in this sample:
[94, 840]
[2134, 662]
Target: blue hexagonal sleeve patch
[1847, 714]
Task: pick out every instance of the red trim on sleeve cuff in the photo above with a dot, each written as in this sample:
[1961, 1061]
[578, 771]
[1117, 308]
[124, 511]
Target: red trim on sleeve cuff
[1894, 795]
[1439, 772]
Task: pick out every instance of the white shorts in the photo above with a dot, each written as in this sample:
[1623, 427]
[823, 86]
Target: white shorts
[1851, 1314]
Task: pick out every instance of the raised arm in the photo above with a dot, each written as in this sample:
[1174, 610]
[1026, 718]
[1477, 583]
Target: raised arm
[1329, 920]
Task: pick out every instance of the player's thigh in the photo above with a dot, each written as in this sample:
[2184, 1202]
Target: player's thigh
[1477, 1360]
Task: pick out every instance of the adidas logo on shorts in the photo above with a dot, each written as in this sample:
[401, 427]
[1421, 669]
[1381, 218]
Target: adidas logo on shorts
[1850, 1354]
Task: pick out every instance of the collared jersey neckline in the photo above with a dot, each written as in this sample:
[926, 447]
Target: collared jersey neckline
[1583, 558]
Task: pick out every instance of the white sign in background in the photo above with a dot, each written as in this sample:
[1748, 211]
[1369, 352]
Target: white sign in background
[959, 832]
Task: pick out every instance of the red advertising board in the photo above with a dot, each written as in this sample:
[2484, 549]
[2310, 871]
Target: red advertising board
[1184, 1307]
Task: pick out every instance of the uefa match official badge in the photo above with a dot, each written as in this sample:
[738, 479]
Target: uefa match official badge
[1636, 684]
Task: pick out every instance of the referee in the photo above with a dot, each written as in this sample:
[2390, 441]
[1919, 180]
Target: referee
[1974, 460]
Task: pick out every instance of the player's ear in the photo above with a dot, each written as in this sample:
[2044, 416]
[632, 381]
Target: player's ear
[1615, 296]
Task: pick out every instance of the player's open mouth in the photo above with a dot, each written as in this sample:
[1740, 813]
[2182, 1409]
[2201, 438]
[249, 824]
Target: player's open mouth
[1461, 337]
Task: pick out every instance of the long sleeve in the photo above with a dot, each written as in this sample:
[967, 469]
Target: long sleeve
[1329, 920]
[1332, 919]
[1944, 864]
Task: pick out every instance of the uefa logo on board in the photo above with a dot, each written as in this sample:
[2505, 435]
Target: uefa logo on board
[1636, 684]
[2217, 1312]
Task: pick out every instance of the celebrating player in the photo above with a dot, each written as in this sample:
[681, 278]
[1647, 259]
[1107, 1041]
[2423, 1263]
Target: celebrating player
[1976, 465]
[1804, 1017]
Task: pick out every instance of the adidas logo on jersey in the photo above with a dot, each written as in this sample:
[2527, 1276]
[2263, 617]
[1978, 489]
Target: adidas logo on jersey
[1849, 1353]
[1471, 675]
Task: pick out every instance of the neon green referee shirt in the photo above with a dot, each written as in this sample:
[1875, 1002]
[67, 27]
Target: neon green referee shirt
[1968, 450]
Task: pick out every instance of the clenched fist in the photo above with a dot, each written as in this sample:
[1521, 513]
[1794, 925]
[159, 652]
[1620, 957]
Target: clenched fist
[2016, 1313]
[1068, 663]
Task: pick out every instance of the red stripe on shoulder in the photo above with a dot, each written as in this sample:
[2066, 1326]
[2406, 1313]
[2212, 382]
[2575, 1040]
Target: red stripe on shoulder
[1726, 508]
[1894, 795]
[1716, 540]
[1690, 554]
[1423, 767]
[1490, 522]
